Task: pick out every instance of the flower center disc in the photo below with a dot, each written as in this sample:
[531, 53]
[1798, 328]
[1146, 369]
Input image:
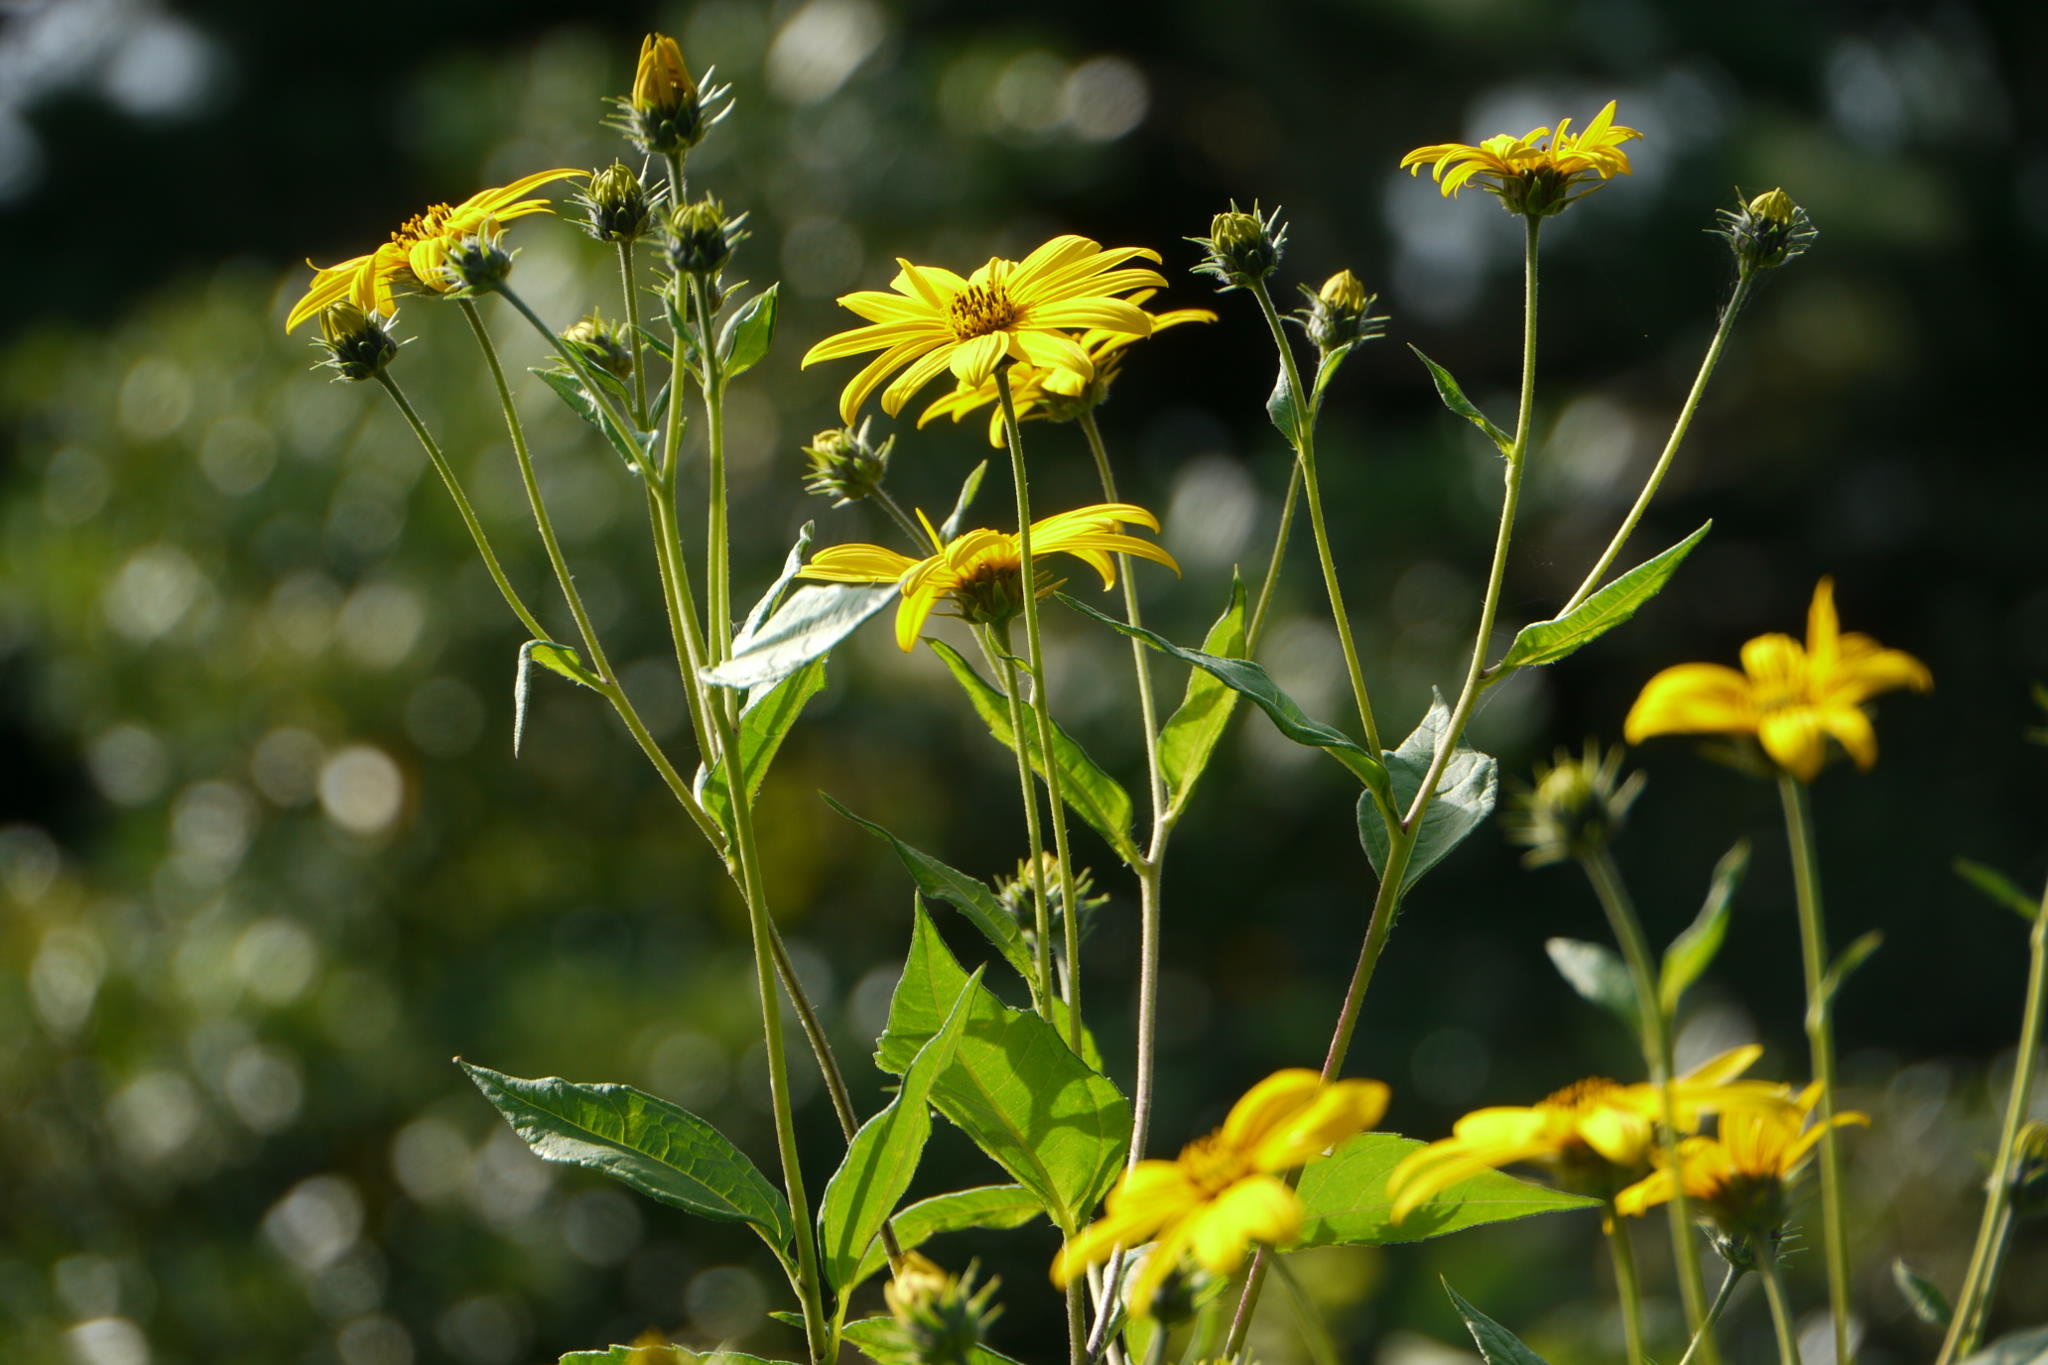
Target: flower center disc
[1581, 1095]
[979, 310]
[1211, 1165]
[421, 226]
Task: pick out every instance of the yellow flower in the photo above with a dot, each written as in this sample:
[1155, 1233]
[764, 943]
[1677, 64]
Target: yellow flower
[661, 82]
[980, 570]
[414, 257]
[1019, 310]
[1738, 1177]
[1791, 698]
[1590, 1132]
[1535, 173]
[1223, 1192]
[1056, 394]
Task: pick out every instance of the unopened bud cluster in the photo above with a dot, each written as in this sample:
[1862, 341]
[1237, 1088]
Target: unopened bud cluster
[940, 1319]
[616, 204]
[1339, 313]
[479, 263]
[1019, 896]
[700, 238]
[1243, 248]
[1767, 231]
[358, 344]
[602, 345]
[844, 465]
[1576, 807]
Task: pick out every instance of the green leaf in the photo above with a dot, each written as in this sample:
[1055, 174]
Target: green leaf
[816, 617]
[1465, 794]
[1346, 1203]
[748, 334]
[763, 725]
[880, 1341]
[994, 1207]
[772, 598]
[1249, 679]
[1694, 950]
[660, 1149]
[1496, 1343]
[1191, 733]
[1922, 1295]
[883, 1155]
[1545, 642]
[559, 659]
[1599, 975]
[572, 391]
[2019, 1348]
[969, 486]
[1089, 792]
[969, 895]
[1454, 398]
[1058, 1126]
[1847, 962]
[1999, 888]
[1284, 407]
[1325, 372]
[664, 1355]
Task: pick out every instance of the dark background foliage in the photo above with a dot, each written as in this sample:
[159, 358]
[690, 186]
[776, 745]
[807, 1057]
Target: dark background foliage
[267, 859]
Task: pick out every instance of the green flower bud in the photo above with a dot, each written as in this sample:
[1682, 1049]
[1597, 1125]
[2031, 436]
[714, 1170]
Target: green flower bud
[602, 345]
[1243, 247]
[701, 238]
[358, 344]
[479, 263]
[1018, 895]
[844, 465]
[940, 1319]
[1766, 232]
[616, 204]
[1339, 313]
[1576, 807]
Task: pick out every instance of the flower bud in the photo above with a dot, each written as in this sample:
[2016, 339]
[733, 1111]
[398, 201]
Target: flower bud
[1339, 313]
[1766, 232]
[2030, 1171]
[358, 344]
[1575, 809]
[701, 238]
[477, 263]
[844, 465]
[1019, 896]
[940, 1319]
[668, 112]
[616, 204]
[601, 345]
[1243, 247]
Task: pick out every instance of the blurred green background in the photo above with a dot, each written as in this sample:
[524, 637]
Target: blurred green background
[266, 860]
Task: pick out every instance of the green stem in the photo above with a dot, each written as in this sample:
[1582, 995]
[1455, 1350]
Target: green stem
[1713, 1316]
[1821, 1042]
[1077, 1325]
[1781, 1309]
[717, 558]
[1974, 1302]
[632, 292]
[1678, 430]
[678, 188]
[1625, 1286]
[1141, 657]
[1305, 459]
[1041, 989]
[1273, 560]
[599, 395]
[918, 539]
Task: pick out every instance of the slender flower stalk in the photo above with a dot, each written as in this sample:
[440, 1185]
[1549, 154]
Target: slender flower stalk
[1625, 1286]
[1820, 1038]
[1705, 1331]
[1781, 1309]
[718, 569]
[631, 289]
[1257, 625]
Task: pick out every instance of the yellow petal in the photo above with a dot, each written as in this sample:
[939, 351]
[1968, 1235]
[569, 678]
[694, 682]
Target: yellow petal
[1258, 1208]
[1339, 1112]
[1795, 740]
[1692, 699]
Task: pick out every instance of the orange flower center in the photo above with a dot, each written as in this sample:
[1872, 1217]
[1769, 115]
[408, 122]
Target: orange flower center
[1212, 1165]
[423, 226]
[979, 310]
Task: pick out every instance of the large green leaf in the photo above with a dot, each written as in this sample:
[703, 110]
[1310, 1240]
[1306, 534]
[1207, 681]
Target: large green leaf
[880, 1340]
[763, 725]
[660, 1149]
[1058, 1126]
[791, 564]
[995, 1207]
[1545, 642]
[748, 334]
[1465, 793]
[815, 617]
[1454, 398]
[1247, 678]
[1496, 1343]
[1346, 1201]
[1599, 975]
[969, 895]
[1695, 948]
[883, 1155]
[1192, 731]
[1088, 791]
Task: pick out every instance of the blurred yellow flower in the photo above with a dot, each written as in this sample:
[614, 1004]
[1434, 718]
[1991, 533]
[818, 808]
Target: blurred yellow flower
[1593, 1133]
[1223, 1192]
[1791, 698]
[981, 570]
[413, 258]
[1017, 310]
[1536, 173]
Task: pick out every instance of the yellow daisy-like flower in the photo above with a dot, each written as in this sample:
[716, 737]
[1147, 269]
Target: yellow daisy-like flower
[1739, 1177]
[1016, 310]
[1058, 395]
[1538, 173]
[1792, 698]
[1594, 1134]
[412, 259]
[1223, 1192]
[981, 571]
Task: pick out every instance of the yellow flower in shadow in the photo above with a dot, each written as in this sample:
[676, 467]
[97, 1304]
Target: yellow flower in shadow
[1223, 1193]
[1595, 1135]
[1538, 173]
[934, 320]
[1791, 697]
[981, 571]
[414, 257]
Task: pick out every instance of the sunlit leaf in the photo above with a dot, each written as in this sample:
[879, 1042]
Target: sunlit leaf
[1454, 398]
[1545, 642]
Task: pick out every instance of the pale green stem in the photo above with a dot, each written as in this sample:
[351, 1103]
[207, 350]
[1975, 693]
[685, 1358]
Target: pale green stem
[1257, 625]
[1305, 459]
[1820, 1037]
[1625, 1286]
[1781, 1310]
[631, 290]
[1041, 903]
[1141, 656]
[1706, 1327]
[1974, 1302]
[717, 557]
[1678, 430]
[678, 188]
[599, 395]
[918, 538]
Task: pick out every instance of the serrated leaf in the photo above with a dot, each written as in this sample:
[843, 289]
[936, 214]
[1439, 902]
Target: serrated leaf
[883, 1155]
[1926, 1300]
[1454, 398]
[2029, 1347]
[1998, 887]
[1284, 407]
[957, 518]
[1058, 1126]
[765, 722]
[1250, 680]
[1599, 975]
[1847, 962]
[1496, 1343]
[816, 617]
[569, 387]
[1465, 795]
[1346, 1202]
[1545, 642]
[748, 334]
[1695, 948]
[1191, 733]
[1088, 791]
[992, 1207]
[969, 895]
[659, 1149]
[881, 1340]
[557, 659]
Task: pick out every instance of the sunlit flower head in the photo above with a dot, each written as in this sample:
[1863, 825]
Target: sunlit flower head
[1595, 1135]
[1058, 395]
[934, 320]
[1537, 174]
[1223, 1193]
[1792, 698]
[1739, 1177]
[415, 257]
[668, 111]
[980, 572]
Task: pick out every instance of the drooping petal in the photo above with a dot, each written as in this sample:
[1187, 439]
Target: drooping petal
[919, 373]
[857, 563]
[975, 360]
[1692, 699]
[1340, 1111]
[1852, 729]
[1257, 1209]
[1796, 740]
